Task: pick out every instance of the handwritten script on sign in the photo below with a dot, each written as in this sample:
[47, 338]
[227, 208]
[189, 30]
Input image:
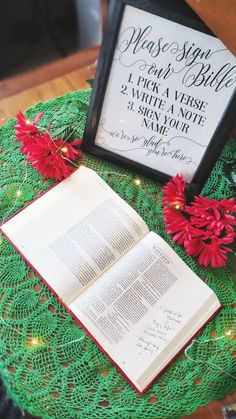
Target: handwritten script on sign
[167, 91]
[159, 332]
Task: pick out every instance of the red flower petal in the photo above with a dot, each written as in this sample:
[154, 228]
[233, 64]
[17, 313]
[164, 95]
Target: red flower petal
[173, 192]
[194, 246]
[37, 118]
[176, 225]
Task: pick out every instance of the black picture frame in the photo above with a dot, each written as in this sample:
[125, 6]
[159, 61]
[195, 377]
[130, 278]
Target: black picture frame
[177, 11]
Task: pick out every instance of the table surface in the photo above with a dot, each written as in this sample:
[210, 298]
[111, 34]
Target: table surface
[57, 87]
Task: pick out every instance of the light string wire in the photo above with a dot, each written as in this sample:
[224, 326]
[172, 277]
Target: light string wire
[39, 342]
[65, 140]
[227, 334]
[35, 341]
[10, 327]
[18, 195]
[136, 181]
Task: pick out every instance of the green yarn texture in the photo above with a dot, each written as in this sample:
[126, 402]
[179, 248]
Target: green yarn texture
[66, 375]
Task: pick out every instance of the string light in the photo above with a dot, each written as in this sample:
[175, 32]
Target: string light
[72, 341]
[35, 342]
[177, 204]
[137, 182]
[112, 173]
[10, 327]
[65, 140]
[227, 334]
[18, 193]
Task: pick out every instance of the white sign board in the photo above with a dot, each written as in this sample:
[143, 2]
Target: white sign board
[168, 88]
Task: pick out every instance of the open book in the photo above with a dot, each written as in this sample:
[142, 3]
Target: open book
[125, 285]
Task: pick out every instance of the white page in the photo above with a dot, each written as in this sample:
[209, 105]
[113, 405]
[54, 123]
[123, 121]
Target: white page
[141, 311]
[75, 231]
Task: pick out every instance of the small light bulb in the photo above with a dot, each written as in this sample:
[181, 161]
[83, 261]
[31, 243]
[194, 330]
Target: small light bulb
[228, 333]
[27, 121]
[177, 207]
[137, 182]
[18, 193]
[34, 342]
[64, 149]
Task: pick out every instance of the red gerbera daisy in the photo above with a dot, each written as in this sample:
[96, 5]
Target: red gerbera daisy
[203, 228]
[50, 157]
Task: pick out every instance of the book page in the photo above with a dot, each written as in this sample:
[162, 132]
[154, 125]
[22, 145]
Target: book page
[145, 308]
[74, 232]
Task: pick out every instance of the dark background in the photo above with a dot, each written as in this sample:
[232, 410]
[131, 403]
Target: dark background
[35, 32]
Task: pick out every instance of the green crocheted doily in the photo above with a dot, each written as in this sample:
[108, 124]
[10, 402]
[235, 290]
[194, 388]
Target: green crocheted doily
[65, 375]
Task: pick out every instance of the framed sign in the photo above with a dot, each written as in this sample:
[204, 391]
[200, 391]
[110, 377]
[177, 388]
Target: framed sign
[163, 100]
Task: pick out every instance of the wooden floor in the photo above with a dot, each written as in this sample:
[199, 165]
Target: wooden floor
[54, 80]
[213, 409]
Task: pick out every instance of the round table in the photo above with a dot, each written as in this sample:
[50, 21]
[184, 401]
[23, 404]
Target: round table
[50, 367]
